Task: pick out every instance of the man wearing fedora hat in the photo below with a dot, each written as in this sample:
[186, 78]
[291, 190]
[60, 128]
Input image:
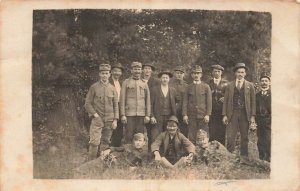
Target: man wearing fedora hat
[217, 85]
[180, 86]
[102, 104]
[197, 104]
[115, 80]
[135, 107]
[239, 109]
[263, 117]
[162, 104]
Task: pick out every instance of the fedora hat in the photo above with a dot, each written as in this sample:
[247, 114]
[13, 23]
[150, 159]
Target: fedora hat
[151, 64]
[265, 75]
[240, 65]
[165, 72]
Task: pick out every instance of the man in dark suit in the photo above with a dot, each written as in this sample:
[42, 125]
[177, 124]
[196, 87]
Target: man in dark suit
[217, 86]
[148, 69]
[197, 105]
[162, 104]
[239, 109]
[180, 86]
[263, 118]
[115, 80]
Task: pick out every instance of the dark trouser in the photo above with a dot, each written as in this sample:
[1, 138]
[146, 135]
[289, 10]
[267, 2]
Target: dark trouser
[135, 124]
[160, 126]
[264, 138]
[117, 135]
[106, 136]
[217, 129]
[182, 126]
[194, 125]
[237, 122]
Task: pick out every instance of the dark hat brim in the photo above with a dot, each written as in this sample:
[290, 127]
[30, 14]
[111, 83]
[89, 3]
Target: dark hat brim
[265, 76]
[150, 65]
[218, 67]
[237, 67]
[120, 67]
[168, 73]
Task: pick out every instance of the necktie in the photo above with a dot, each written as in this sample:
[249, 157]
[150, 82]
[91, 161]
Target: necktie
[239, 85]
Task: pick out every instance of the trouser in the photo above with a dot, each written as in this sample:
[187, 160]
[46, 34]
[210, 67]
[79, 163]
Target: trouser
[159, 127]
[100, 134]
[217, 129]
[264, 139]
[117, 135]
[135, 124]
[194, 125]
[237, 122]
[182, 126]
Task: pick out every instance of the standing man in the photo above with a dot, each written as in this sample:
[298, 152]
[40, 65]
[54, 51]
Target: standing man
[197, 105]
[162, 104]
[180, 86]
[217, 86]
[116, 73]
[263, 118]
[102, 104]
[148, 69]
[239, 109]
[135, 105]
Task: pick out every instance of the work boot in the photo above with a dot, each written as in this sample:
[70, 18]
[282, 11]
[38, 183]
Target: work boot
[92, 152]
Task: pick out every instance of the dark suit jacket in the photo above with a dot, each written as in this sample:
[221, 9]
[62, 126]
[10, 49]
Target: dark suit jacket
[217, 93]
[182, 144]
[156, 100]
[249, 100]
[152, 82]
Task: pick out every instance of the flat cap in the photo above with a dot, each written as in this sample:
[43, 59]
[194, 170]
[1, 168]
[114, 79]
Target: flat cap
[217, 66]
[179, 68]
[104, 67]
[240, 65]
[197, 69]
[173, 118]
[117, 65]
[136, 64]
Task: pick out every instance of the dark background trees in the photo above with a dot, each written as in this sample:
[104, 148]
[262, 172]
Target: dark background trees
[69, 45]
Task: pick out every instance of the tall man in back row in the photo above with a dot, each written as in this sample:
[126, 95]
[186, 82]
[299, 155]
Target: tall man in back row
[239, 109]
[135, 108]
[217, 86]
[197, 105]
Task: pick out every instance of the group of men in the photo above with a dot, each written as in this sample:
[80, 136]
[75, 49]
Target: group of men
[148, 105]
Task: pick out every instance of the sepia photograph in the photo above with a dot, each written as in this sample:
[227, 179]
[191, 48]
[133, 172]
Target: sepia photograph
[151, 94]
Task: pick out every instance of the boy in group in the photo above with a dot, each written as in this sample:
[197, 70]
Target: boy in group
[263, 118]
[162, 104]
[135, 107]
[171, 147]
[102, 104]
[180, 86]
[197, 105]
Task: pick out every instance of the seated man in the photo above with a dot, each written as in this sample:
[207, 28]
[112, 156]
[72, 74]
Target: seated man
[171, 147]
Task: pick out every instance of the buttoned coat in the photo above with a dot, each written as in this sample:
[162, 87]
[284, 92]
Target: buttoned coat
[182, 144]
[250, 98]
[217, 91]
[157, 101]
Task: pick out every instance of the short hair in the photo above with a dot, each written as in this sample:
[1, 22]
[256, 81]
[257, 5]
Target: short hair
[201, 133]
[138, 136]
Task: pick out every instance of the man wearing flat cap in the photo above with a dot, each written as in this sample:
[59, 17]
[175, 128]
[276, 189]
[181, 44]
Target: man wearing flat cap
[239, 109]
[180, 86]
[197, 104]
[217, 85]
[115, 80]
[102, 104]
[263, 117]
[162, 104]
[135, 108]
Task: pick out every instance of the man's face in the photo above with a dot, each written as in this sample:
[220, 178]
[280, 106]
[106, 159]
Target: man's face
[202, 139]
[165, 79]
[136, 72]
[116, 73]
[216, 73]
[179, 75]
[240, 73]
[172, 127]
[265, 83]
[139, 143]
[104, 75]
[147, 71]
[196, 76]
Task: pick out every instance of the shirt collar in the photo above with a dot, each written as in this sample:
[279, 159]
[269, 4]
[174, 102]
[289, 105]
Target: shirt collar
[264, 91]
[101, 82]
[197, 82]
[241, 80]
[217, 81]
